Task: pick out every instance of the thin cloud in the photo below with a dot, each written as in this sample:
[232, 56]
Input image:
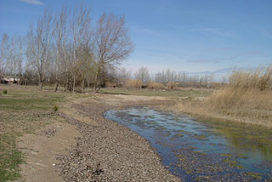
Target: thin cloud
[216, 60]
[34, 2]
[215, 31]
[147, 31]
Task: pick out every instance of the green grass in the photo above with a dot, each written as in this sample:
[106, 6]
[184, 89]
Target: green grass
[22, 110]
[10, 158]
[163, 93]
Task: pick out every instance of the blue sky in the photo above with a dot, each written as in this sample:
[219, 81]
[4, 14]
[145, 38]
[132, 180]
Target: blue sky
[191, 35]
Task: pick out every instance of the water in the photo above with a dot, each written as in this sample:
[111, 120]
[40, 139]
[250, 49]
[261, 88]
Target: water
[195, 151]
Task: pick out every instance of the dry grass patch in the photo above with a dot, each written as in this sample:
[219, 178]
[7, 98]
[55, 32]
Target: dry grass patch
[133, 84]
[247, 99]
[260, 79]
[251, 105]
[155, 85]
[171, 85]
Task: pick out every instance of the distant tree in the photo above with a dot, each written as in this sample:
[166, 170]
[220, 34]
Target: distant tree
[142, 74]
[4, 53]
[11, 56]
[122, 76]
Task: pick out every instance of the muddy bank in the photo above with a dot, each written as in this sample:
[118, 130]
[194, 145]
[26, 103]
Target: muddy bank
[107, 151]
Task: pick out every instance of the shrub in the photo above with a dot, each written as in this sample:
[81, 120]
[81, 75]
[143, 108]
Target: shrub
[55, 108]
[5, 92]
[155, 85]
[171, 85]
[134, 84]
[110, 84]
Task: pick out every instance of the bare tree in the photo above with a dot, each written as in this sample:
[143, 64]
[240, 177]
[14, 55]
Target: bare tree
[112, 45]
[80, 26]
[39, 42]
[60, 33]
[15, 57]
[4, 53]
[142, 74]
[11, 56]
[65, 49]
[121, 75]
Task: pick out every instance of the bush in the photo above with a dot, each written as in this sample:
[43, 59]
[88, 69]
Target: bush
[110, 84]
[55, 108]
[134, 84]
[155, 85]
[171, 85]
[5, 92]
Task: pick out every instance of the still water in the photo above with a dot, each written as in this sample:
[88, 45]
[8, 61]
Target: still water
[195, 151]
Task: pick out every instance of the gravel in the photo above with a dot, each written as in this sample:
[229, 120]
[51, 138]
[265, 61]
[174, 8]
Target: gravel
[109, 151]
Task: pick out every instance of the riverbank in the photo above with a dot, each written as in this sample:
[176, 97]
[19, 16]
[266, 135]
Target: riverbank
[64, 137]
[107, 151]
[200, 108]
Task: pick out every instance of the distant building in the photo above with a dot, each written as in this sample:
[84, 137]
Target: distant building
[9, 80]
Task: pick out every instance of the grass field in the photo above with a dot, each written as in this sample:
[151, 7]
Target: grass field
[22, 110]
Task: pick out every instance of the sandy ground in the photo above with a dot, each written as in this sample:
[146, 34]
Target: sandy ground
[41, 149]
[87, 147]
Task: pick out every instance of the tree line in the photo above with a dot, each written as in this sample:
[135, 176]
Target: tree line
[143, 76]
[67, 49]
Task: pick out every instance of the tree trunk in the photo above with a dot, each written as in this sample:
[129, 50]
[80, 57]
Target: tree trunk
[57, 83]
[67, 82]
[83, 85]
[40, 81]
[56, 86]
[41, 85]
[74, 84]
[95, 82]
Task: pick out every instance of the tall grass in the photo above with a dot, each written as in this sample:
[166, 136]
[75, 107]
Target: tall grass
[133, 84]
[155, 85]
[260, 79]
[171, 85]
[247, 97]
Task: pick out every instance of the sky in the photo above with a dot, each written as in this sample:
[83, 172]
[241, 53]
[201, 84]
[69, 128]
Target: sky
[182, 35]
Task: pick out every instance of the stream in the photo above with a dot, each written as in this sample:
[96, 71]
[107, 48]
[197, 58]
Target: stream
[198, 151]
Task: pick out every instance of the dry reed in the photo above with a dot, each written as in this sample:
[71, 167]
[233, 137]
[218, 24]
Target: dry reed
[247, 98]
[155, 85]
[133, 84]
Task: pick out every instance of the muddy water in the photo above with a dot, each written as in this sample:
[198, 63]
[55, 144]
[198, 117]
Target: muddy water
[195, 151]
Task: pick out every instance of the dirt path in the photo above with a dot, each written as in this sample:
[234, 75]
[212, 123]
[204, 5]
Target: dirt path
[102, 151]
[41, 150]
